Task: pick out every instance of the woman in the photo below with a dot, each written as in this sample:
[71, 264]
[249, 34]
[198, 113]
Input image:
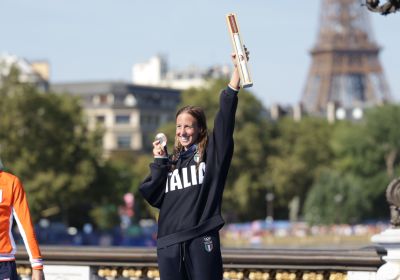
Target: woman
[188, 190]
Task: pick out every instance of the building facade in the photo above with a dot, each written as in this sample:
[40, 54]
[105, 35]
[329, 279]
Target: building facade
[34, 72]
[155, 72]
[129, 114]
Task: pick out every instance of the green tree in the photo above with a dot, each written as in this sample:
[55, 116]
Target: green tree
[299, 151]
[356, 153]
[370, 151]
[335, 198]
[353, 150]
[382, 127]
[378, 140]
[45, 141]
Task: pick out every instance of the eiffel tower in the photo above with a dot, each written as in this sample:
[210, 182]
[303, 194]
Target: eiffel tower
[345, 69]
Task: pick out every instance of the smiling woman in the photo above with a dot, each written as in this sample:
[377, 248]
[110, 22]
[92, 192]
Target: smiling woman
[188, 186]
[191, 128]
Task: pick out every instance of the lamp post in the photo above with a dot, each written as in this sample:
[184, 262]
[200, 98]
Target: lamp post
[338, 198]
[269, 198]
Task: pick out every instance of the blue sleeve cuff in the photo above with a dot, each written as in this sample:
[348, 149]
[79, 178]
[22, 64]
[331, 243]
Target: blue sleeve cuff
[230, 89]
[161, 160]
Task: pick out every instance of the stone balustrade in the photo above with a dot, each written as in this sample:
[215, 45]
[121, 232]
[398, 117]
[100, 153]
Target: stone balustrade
[115, 263]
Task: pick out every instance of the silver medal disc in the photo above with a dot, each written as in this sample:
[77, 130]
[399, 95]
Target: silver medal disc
[161, 138]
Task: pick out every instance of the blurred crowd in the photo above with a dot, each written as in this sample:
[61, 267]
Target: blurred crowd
[280, 233]
[259, 233]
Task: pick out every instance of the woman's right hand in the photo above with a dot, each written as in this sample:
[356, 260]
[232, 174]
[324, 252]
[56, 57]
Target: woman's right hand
[158, 149]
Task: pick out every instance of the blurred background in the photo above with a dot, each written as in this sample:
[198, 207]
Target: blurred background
[85, 86]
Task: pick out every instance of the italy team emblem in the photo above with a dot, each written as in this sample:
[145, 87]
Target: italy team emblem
[208, 244]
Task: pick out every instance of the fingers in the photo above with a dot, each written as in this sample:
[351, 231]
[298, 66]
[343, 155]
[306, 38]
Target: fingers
[158, 150]
[233, 56]
[234, 60]
[156, 142]
[247, 52]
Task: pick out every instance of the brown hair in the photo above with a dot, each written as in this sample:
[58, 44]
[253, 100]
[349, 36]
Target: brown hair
[198, 114]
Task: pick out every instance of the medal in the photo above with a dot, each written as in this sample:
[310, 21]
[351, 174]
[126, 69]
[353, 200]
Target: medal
[162, 139]
[196, 157]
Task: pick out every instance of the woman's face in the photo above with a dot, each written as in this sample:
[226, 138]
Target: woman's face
[187, 130]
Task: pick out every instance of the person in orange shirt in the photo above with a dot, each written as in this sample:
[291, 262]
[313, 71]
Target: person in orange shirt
[14, 204]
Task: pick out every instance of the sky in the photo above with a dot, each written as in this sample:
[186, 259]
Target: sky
[95, 40]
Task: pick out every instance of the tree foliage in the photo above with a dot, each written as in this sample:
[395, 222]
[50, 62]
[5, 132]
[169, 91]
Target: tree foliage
[381, 124]
[370, 151]
[335, 199]
[44, 140]
[300, 150]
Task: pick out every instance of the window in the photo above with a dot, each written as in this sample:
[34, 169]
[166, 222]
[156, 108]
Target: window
[122, 119]
[150, 120]
[103, 99]
[100, 119]
[130, 100]
[124, 142]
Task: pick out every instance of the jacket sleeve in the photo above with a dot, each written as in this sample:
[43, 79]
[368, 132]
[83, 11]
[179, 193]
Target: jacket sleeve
[22, 216]
[153, 187]
[224, 124]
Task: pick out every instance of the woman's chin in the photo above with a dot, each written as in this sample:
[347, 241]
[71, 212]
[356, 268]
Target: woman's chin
[185, 145]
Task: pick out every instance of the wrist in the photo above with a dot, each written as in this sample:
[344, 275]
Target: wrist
[234, 82]
[235, 88]
[160, 160]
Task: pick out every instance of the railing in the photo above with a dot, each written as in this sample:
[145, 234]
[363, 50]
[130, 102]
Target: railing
[266, 264]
